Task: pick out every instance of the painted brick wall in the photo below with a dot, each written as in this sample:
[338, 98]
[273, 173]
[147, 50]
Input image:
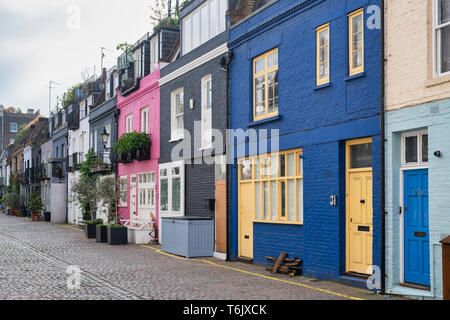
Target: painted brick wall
[317, 120]
[436, 118]
[148, 95]
[272, 239]
[191, 82]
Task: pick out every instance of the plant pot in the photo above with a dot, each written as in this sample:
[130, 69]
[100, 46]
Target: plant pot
[34, 216]
[117, 236]
[102, 234]
[47, 217]
[16, 212]
[91, 231]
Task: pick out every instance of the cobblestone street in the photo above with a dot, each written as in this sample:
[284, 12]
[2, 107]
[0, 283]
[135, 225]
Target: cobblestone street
[35, 256]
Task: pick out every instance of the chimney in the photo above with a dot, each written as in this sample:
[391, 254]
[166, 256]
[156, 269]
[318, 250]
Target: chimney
[104, 74]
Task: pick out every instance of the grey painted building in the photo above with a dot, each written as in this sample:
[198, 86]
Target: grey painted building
[193, 92]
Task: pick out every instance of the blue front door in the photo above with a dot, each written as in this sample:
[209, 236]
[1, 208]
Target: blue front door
[417, 243]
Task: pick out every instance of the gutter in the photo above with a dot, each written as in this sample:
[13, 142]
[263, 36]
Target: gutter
[229, 59]
[383, 154]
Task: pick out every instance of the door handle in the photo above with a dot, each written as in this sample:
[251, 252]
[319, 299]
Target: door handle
[363, 201]
[247, 237]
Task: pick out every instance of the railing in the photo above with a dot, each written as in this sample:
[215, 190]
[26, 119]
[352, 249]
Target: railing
[75, 160]
[57, 167]
[101, 162]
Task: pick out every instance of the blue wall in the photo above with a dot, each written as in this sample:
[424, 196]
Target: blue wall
[319, 120]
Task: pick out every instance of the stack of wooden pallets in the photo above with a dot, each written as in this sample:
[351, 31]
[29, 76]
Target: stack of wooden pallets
[282, 264]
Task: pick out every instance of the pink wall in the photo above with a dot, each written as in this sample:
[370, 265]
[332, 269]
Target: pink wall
[146, 96]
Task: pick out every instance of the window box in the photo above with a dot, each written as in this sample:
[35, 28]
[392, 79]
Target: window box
[143, 154]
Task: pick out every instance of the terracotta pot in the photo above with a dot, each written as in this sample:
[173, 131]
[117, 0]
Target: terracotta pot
[16, 212]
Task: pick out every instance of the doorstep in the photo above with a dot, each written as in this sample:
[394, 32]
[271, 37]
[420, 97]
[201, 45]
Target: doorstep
[354, 280]
[405, 290]
[220, 256]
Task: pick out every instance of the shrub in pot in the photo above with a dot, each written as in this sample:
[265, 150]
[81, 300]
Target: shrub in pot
[13, 201]
[117, 234]
[102, 233]
[34, 205]
[91, 228]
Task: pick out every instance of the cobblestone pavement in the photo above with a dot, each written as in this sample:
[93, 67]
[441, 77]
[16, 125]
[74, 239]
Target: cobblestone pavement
[34, 257]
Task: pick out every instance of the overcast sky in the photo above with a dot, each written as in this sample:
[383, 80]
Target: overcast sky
[41, 40]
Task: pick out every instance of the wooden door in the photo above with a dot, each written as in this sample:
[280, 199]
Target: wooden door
[246, 217]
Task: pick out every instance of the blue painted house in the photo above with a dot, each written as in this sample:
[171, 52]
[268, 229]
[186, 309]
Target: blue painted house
[309, 73]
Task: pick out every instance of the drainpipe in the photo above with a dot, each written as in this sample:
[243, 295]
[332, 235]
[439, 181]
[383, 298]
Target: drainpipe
[229, 59]
[383, 153]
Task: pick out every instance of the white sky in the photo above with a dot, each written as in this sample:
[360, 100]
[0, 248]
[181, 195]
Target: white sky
[39, 44]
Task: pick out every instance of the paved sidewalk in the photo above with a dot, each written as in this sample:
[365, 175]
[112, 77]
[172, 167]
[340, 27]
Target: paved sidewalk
[35, 256]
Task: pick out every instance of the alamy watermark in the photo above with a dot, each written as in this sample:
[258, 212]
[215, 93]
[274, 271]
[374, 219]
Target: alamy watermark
[74, 279]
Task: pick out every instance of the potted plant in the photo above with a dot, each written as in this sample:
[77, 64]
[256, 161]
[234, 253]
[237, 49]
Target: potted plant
[102, 233]
[34, 205]
[13, 201]
[117, 234]
[91, 228]
[133, 146]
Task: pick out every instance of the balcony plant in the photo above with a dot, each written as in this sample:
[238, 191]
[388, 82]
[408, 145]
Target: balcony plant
[132, 144]
[34, 205]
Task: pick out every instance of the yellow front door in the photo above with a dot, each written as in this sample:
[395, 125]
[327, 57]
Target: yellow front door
[359, 215]
[246, 217]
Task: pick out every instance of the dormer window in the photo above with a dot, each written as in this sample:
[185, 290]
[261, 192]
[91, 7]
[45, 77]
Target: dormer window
[154, 54]
[203, 24]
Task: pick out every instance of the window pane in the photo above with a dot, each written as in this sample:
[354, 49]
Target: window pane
[445, 49]
[291, 200]
[273, 91]
[411, 149]
[222, 14]
[246, 170]
[272, 60]
[204, 12]
[176, 171]
[266, 200]
[187, 34]
[357, 59]
[283, 199]
[164, 195]
[180, 123]
[196, 30]
[300, 164]
[425, 148]
[357, 24]
[260, 96]
[273, 199]
[361, 156]
[260, 65]
[258, 168]
[176, 193]
[283, 165]
[300, 200]
[258, 200]
[444, 11]
[273, 166]
[291, 164]
[213, 14]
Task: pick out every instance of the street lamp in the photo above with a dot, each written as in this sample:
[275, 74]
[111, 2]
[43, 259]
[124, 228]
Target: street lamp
[105, 138]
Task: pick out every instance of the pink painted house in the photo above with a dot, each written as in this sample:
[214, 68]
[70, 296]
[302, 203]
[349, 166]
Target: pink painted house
[138, 104]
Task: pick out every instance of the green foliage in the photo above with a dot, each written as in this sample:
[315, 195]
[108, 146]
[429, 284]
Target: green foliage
[166, 22]
[4, 198]
[69, 96]
[86, 211]
[13, 200]
[22, 134]
[34, 202]
[85, 166]
[124, 46]
[85, 192]
[109, 193]
[116, 226]
[131, 141]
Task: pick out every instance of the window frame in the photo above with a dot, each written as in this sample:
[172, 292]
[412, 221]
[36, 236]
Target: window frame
[148, 186]
[205, 95]
[169, 177]
[319, 30]
[437, 43]
[129, 123]
[419, 134]
[123, 204]
[145, 123]
[175, 132]
[355, 70]
[265, 73]
[269, 179]
[17, 127]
